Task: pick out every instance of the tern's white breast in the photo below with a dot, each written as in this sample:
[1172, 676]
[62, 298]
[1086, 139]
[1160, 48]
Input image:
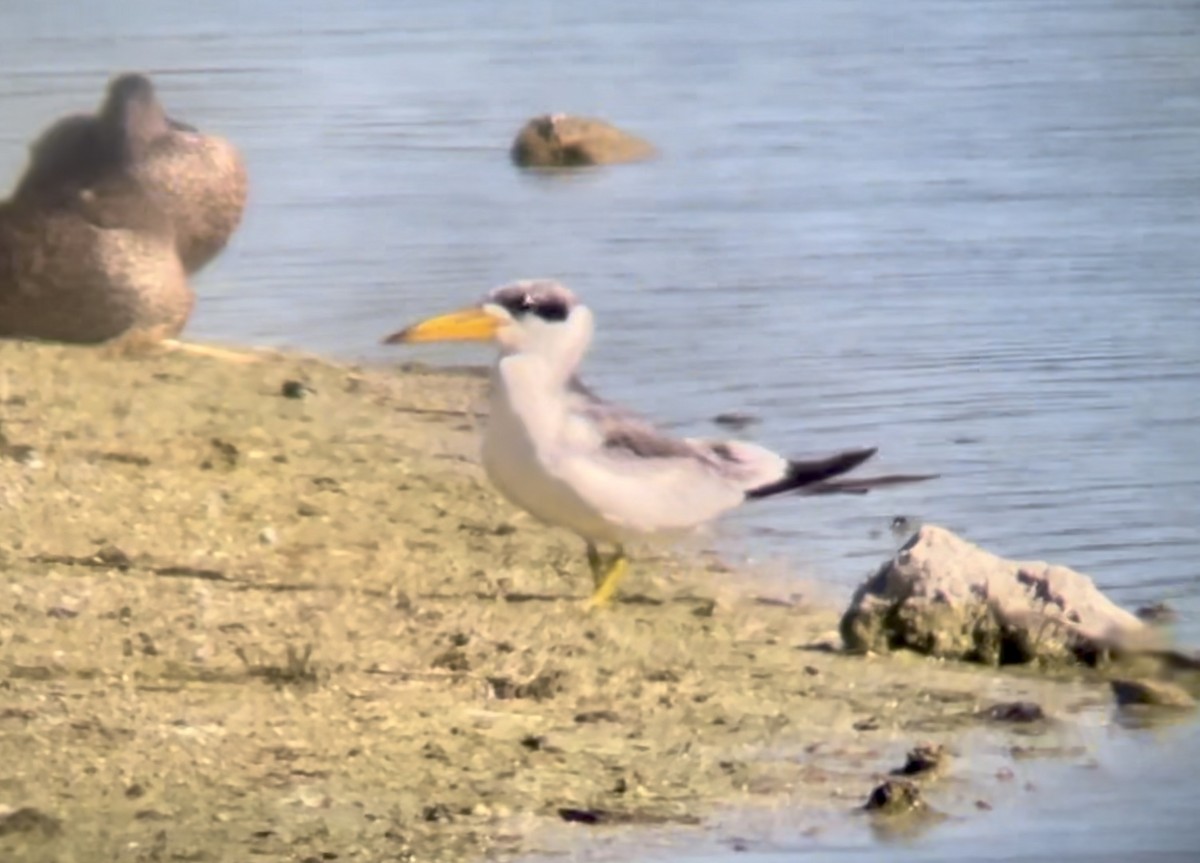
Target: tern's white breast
[524, 436]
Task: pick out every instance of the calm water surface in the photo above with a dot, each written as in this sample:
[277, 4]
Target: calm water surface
[967, 232]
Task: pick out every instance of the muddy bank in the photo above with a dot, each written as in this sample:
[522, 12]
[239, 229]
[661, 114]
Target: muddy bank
[277, 611]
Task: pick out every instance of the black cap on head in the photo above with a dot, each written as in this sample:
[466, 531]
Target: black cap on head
[542, 298]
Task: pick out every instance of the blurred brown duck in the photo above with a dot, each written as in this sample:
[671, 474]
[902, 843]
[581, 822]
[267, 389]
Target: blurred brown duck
[88, 253]
[200, 179]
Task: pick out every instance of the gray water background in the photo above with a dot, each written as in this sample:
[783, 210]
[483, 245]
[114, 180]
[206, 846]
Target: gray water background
[966, 232]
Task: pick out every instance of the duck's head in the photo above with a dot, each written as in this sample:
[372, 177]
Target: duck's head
[78, 151]
[131, 114]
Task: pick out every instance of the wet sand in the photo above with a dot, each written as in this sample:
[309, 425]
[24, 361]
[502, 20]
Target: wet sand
[235, 622]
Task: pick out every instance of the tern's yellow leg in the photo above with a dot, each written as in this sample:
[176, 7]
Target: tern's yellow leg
[606, 586]
[595, 563]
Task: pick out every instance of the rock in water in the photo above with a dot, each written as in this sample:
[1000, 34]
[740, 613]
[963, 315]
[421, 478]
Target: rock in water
[1151, 693]
[895, 797]
[942, 596]
[564, 141]
[924, 761]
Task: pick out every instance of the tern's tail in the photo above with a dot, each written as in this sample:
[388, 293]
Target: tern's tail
[819, 477]
[864, 485]
[805, 473]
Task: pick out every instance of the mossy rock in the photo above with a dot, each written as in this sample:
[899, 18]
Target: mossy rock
[566, 141]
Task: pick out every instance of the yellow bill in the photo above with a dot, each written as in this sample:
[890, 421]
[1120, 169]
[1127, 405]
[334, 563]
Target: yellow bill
[467, 325]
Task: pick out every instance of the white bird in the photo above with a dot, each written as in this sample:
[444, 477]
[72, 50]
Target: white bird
[571, 459]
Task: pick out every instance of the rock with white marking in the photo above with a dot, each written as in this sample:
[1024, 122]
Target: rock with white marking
[945, 597]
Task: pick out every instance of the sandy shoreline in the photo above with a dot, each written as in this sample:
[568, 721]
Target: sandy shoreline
[234, 622]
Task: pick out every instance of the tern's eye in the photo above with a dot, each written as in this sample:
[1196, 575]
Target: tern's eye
[522, 304]
[550, 310]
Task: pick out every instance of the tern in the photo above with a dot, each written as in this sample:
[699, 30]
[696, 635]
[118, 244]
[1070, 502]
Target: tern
[571, 459]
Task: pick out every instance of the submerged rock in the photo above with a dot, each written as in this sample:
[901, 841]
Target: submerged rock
[942, 596]
[895, 797]
[1021, 712]
[1157, 613]
[736, 420]
[565, 141]
[926, 760]
[28, 820]
[1151, 693]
